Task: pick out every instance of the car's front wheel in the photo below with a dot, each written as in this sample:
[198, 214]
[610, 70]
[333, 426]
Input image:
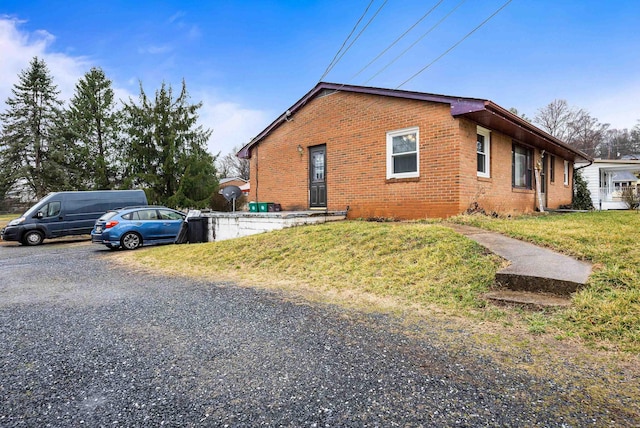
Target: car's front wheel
[33, 237]
[131, 241]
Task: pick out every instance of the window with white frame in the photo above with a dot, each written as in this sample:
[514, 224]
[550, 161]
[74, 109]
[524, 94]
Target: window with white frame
[403, 154]
[566, 173]
[483, 150]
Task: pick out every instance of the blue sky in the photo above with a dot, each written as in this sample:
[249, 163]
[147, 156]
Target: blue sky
[248, 61]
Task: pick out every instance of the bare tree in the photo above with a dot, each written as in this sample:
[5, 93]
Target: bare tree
[555, 118]
[230, 165]
[574, 126]
[586, 133]
[617, 143]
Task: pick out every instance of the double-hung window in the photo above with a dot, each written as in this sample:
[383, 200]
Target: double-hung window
[522, 166]
[483, 150]
[566, 173]
[403, 154]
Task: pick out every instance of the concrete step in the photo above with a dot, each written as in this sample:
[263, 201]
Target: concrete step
[531, 268]
[528, 299]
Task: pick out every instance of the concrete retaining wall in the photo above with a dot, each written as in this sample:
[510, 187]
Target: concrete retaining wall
[223, 226]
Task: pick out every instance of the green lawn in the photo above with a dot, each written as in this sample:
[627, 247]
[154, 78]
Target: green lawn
[417, 263]
[6, 218]
[609, 306]
[427, 264]
[429, 267]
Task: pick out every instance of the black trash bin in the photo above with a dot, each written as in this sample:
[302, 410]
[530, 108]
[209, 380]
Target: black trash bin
[183, 236]
[197, 229]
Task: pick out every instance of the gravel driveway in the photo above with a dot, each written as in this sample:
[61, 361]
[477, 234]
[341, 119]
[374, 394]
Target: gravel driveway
[84, 343]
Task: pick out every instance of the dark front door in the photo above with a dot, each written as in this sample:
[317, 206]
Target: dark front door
[317, 177]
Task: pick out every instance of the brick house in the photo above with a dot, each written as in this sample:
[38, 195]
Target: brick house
[235, 181]
[406, 155]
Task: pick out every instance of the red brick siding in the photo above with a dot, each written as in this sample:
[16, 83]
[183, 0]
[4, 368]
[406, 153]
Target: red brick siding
[557, 192]
[353, 127]
[496, 194]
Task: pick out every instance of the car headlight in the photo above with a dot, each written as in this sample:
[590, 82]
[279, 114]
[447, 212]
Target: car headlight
[16, 221]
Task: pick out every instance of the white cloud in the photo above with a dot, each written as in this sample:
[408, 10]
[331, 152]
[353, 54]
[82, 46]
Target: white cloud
[620, 108]
[233, 125]
[155, 49]
[177, 16]
[18, 49]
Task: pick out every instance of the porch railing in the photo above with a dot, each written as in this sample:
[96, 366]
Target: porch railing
[615, 194]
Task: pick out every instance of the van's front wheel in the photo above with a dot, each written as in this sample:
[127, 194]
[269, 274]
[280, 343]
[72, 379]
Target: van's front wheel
[32, 237]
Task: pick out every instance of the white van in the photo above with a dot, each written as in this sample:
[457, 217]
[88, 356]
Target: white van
[68, 213]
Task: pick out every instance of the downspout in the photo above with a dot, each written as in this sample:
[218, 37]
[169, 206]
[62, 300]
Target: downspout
[257, 174]
[584, 166]
[538, 180]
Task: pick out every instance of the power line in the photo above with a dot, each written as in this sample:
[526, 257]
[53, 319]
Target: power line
[345, 41]
[335, 61]
[397, 40]
[456, 44]
[437, 24]
[309, 121]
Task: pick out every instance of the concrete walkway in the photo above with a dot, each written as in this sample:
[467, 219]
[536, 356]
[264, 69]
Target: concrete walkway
[533, 269]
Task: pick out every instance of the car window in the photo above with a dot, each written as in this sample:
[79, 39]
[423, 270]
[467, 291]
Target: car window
[147, 214]
[108, 215]
[169, 215]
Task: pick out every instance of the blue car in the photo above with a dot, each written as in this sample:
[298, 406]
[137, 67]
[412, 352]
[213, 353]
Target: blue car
[131, 228]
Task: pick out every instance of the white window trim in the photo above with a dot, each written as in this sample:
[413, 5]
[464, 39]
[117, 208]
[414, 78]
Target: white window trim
[487, 154]
[396, 133]
[566, 173]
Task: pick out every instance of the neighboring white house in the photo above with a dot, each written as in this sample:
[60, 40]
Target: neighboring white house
[607, 178]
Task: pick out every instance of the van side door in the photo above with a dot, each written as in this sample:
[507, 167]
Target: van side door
[81, 213]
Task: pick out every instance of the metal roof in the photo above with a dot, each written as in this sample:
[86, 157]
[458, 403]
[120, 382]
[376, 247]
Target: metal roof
[228, 179]
[483, 112]
[624, 176]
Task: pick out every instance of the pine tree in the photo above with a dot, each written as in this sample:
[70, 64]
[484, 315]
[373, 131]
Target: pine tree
[28, 155]
[92, 122]
[198, 183]
[167, 149]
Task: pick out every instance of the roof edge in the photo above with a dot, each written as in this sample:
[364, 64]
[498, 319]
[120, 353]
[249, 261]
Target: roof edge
[518, 121]
[459, 105]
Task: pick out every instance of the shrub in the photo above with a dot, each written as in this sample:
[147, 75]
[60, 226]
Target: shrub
[630, 198]
[581, 194]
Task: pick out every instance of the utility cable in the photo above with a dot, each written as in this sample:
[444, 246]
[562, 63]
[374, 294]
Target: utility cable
[397, 40]
[345, 42]
[437, 24]
[456, 44]
[354, 40]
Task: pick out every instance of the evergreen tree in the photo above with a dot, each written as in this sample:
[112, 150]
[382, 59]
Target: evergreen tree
[166, 154]
[92, 125]
[199, 182]
[28, 155]
[581, 193]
